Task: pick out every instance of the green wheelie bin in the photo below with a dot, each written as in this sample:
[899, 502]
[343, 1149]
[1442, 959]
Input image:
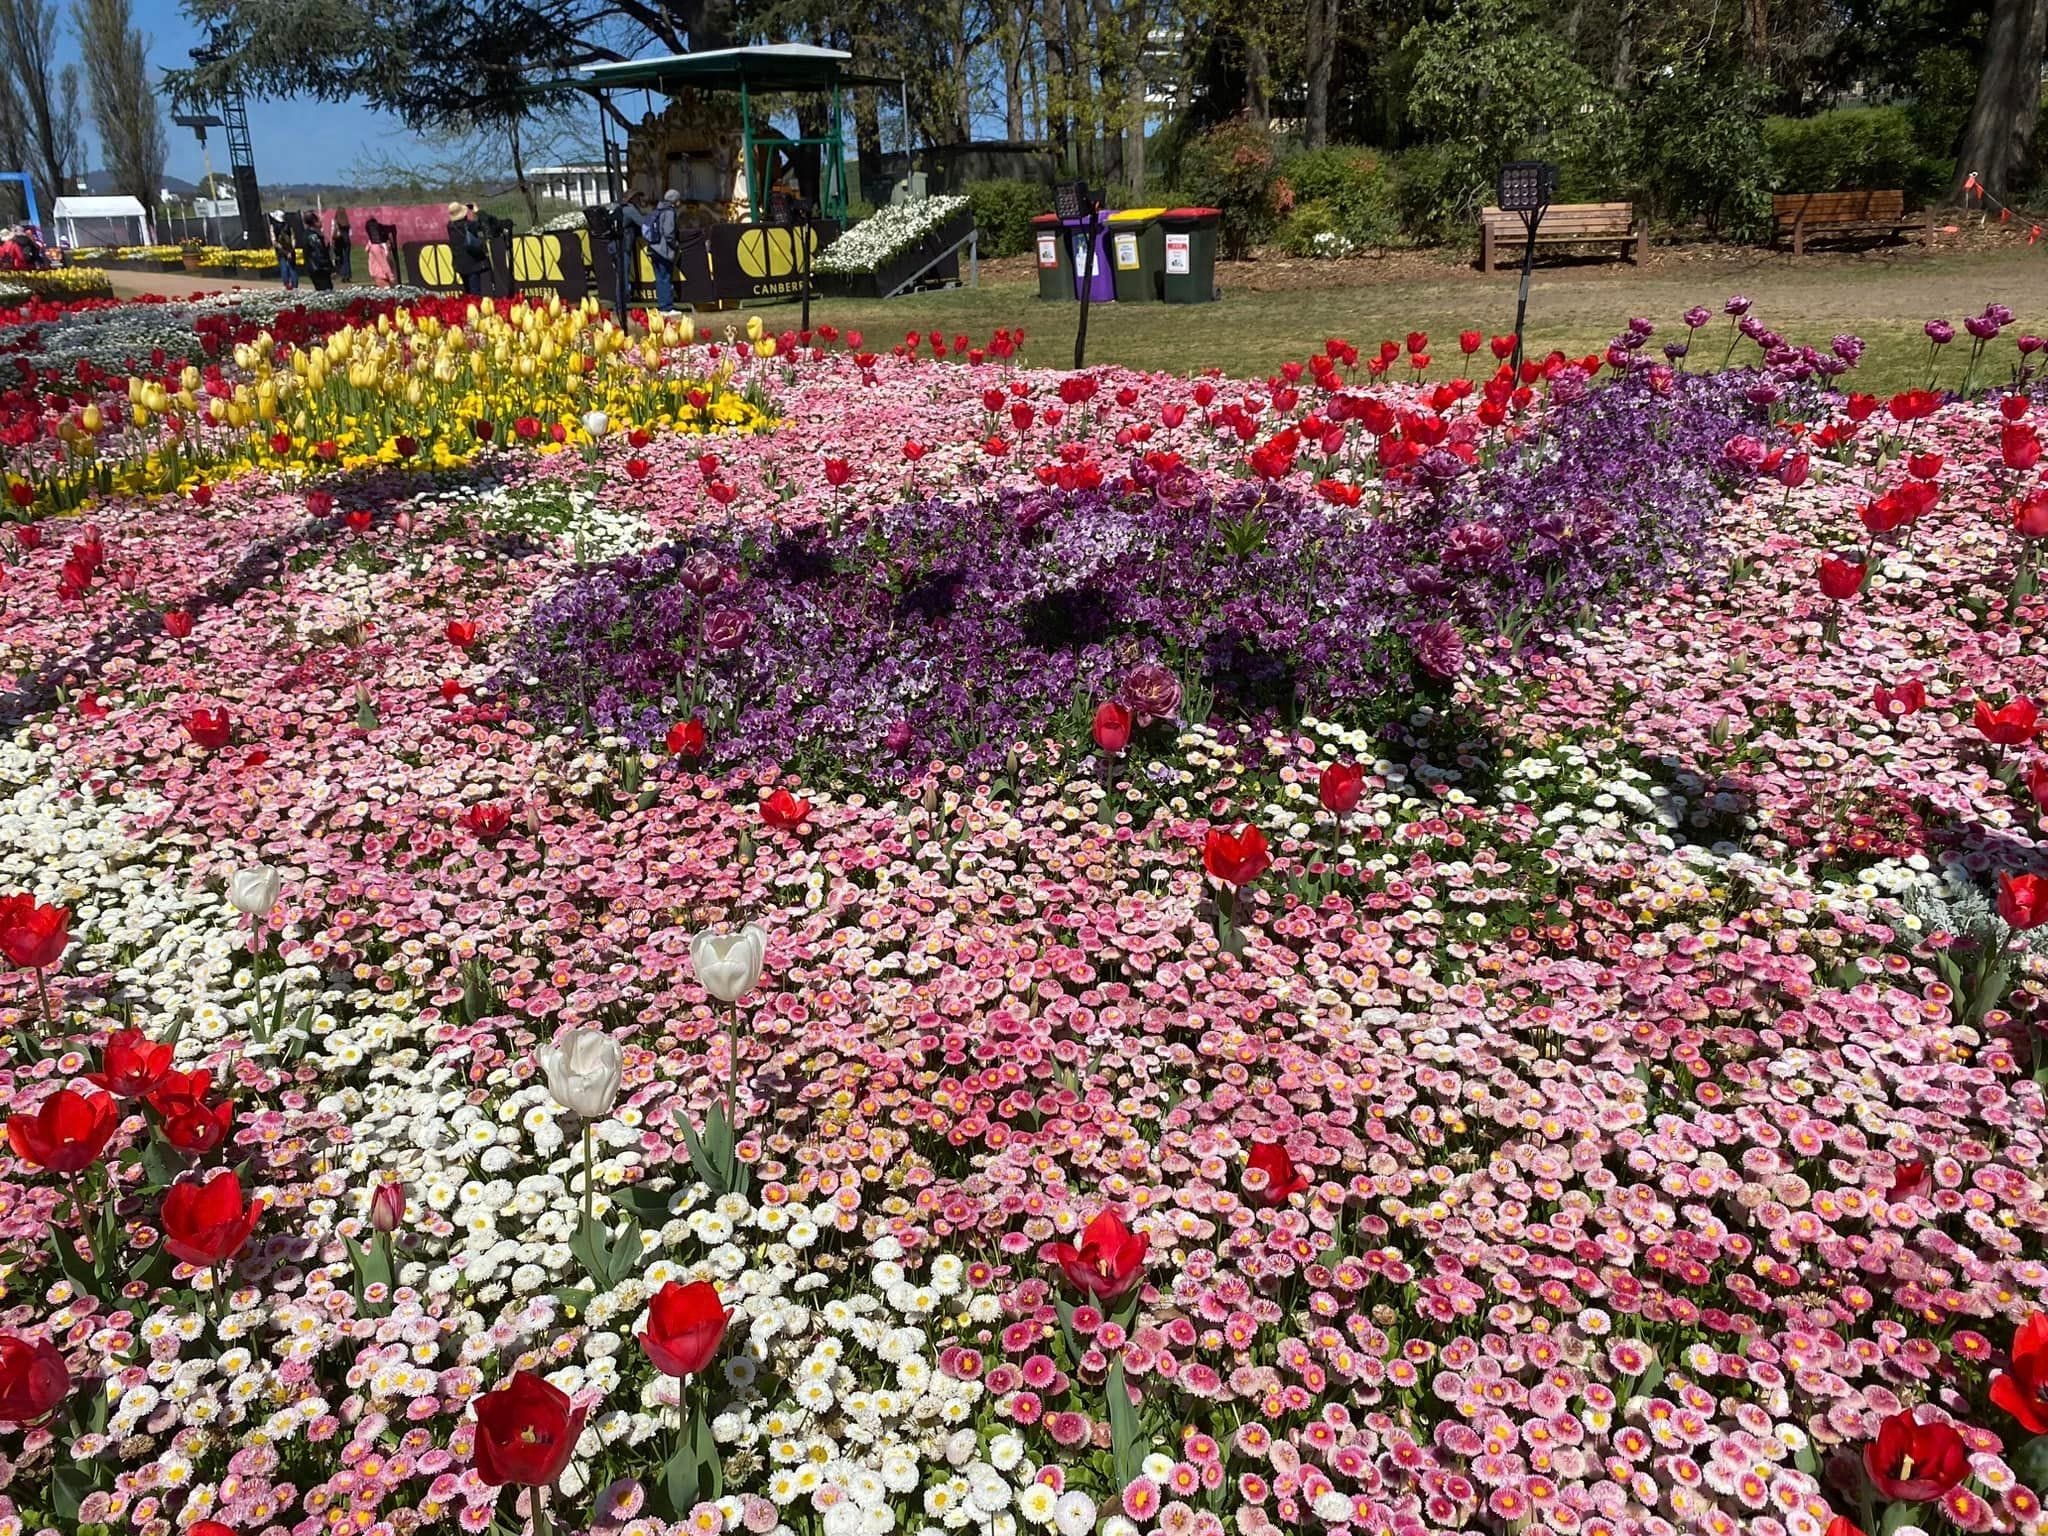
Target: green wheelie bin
[1188, 236]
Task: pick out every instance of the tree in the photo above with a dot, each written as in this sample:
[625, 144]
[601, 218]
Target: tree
[1999, 137]
[124, 104]
[46, 97]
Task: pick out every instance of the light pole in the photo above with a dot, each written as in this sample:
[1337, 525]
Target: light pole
[1073, 203]
[199, 122]
[1526, 187]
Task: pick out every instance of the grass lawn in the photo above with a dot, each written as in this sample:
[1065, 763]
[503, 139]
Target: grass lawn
[1883, 298]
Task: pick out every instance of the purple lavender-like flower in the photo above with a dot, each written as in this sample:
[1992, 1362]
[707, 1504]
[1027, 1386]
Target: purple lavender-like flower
[1940, 332]
[1983, 327]
[1152, 692]
[1439, 649]
[1848, 348]
[1737, 306]
[1697, 316]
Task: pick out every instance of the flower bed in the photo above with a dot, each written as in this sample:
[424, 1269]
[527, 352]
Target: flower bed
[1595, 1086]
[880, 253]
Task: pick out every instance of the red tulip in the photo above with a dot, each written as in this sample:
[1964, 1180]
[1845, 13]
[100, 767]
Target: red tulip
[1469, 342]
[461, 633]
[1282, 1177]
[837, 472]
[66, 1132]
[207, 1224]
[1840, 579]
[1913, 405]
[1112, 726]
[1236, 858]
[1913, 1462]
[1909, 698]
[2036, 780]
[487, 823]
[685, 1325]
[177, 623]
[1793, 470]
[2010, 726]
[1109, 1262]
[686, 738]
[131, 1065]
[190, 1123]
[220, 1528]
[2019, 446]
[2022, 1390]
[33, 1379]
[525, 1432]
[1910, 1177]
[209, 728]
[638, 468]
[913, 450]
[387, 1206]
[1923, 466]
[483, 429]
[1339, 787]
[2023, 901]
[33, 936]
[1842, 1525]
[2030, 516]
[784, 811]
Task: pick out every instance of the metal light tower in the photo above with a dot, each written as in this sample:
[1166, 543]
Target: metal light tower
[199, 122]
[234, 116]
[1527, 187]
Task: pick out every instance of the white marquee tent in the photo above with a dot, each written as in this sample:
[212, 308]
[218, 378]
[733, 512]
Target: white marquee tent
[100, 221]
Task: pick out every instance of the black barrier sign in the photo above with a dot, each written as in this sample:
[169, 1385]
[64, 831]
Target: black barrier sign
[734, 263]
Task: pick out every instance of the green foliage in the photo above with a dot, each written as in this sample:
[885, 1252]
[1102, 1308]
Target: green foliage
[1003, 211]
[1853, 149]
[1313, 230]
[1440, 188]
[1944, 89]
[1703, 148]
[1231, 168]
[1355, 192]
[1598, 151]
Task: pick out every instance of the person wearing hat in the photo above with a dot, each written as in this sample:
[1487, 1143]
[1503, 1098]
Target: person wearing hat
[662, 225]
[466, 247]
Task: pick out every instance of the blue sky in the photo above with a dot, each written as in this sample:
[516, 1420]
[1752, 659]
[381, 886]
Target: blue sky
[294, 140]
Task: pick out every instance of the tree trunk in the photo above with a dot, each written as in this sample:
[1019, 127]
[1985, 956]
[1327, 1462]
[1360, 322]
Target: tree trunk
[867, 137]
[519, 175]
[1624, 45]
[1258, 83]
[1320, 43]
[2001, 124]
[1756, 33]
[1013, 82]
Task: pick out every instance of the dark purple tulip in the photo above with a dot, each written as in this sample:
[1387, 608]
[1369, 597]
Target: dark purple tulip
[1940, 332]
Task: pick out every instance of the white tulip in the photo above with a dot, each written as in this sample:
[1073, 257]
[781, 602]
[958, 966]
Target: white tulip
[594, 422]
[254, 891]
[583, 1072]
[729, 964]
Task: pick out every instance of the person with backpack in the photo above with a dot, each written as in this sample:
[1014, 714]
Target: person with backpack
[314, 253]
[662, 235]
[466, 247]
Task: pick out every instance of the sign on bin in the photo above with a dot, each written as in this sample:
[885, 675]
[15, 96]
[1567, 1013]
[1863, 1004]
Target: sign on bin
[1048, 251]
[1177, 253]
[1126, 253]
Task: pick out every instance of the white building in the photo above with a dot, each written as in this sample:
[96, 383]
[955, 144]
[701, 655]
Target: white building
[581, 186]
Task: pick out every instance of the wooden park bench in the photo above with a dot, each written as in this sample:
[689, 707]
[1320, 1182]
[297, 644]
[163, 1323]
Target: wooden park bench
[1802, 215]
[1564, 224]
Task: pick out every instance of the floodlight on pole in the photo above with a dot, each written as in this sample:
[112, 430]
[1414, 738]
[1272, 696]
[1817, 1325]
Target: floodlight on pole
[1527, 187]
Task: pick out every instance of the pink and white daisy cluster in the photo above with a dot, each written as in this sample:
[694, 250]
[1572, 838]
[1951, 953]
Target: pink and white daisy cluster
[1602, 1093]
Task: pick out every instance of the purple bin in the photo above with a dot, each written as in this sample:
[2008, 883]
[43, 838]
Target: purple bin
[1101, 287]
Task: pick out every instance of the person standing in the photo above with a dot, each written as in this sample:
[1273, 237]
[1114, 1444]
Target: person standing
[287, 254]
[662, 225]
[314, 252]
[380, 241]
[344, 246]
[466, 248]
